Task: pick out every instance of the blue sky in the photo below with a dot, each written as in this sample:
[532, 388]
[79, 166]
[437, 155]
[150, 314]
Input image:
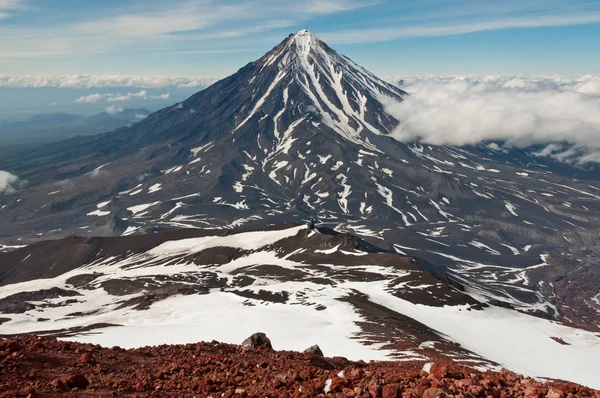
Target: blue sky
[215, 38]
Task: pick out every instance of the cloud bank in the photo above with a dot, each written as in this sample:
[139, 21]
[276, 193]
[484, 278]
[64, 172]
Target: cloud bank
[118, 97]
[9, 6]
[560, 112]
[114, 110]
[7, 182]
[104, 81]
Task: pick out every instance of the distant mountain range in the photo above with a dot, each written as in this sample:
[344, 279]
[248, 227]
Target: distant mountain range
[49, 127]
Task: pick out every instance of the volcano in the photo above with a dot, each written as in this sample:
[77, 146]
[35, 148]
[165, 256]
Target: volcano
[303, 133]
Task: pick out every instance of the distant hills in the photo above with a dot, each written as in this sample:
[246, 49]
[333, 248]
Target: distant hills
[49, 127]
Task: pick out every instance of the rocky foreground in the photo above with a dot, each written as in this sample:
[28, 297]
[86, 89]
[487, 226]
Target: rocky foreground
[32, 366]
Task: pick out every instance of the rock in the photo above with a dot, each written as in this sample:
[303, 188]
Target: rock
[28, 392]
[258, 340]
[59, 385]
[324, 363]
[374, 388]
[32, 374]
[12, 346]
[438, 371]
[86, 358]
[457, 375]
[532, 392]
[434, 393]
[343, 361]
[338, 383]
[391, 391]
[215, 369]
[78, 381]
[315, 349]
[348, 392]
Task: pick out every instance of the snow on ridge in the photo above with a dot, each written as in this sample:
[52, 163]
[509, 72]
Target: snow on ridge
[245, 240]
[517, 341]
[136, 210]
[328, 251]
[155, 188]
[98, 213]
[305, 61]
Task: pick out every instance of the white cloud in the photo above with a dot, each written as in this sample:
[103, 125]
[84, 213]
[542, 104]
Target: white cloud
[104, 81]
[332, 6]
[158, 25]
[8, 7]
[11, 4]
[129, 96]
[143, 94]
[517, 111]
[446, 28]
[113, 110]
[91, 99]
[7, 182]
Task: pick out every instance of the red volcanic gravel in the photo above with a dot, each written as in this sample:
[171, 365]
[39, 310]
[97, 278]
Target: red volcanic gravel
[33, 366]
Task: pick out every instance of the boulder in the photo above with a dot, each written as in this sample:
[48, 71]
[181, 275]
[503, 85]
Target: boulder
[258, 340]
[434, 393]
[391, 391]
[555, 393]
[59, 384]
[324, 363]
[374, 388]
[315, 349]
[78, 381]
[438, 371]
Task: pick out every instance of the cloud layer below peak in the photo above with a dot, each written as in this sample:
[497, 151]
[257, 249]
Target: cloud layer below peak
[118, 97]
[518, 111]
[103, 81]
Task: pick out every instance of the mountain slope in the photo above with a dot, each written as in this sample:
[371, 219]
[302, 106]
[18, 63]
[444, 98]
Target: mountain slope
[303, 133]
[297, 283]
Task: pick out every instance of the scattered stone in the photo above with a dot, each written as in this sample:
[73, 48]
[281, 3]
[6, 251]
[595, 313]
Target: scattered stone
[258, 340]
[374, 388]
[59, 385]
[86, 358]
[438, 371]
[391, 391]
[434, 393]
[533, 392]
[324, 363]
[43, 367]
[11, 346]
[315, 349]
[78, 381]
[555, 393]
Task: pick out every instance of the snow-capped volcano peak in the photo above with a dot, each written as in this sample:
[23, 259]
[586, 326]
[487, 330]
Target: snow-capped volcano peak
[304, 39]
[304, 33]
[327, 88]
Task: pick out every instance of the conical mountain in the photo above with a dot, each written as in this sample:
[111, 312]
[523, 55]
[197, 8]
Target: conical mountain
[286, 133]
[301, 83]
[303, 133]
